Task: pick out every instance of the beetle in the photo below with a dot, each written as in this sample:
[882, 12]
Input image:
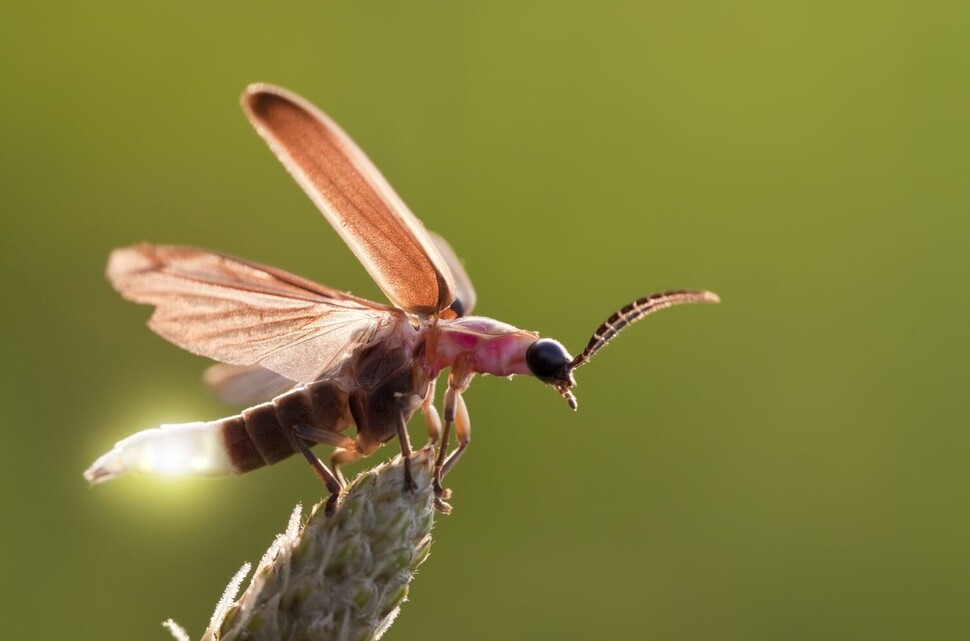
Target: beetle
[311, 361]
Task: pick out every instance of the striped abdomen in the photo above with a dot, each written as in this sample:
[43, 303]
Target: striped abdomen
[263, 434]
[259, 436]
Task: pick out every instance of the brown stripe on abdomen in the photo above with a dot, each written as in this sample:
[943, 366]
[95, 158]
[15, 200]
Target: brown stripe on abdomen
[262, 435]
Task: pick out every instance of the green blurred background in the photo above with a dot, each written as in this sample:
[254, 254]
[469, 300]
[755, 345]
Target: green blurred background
[792, 464]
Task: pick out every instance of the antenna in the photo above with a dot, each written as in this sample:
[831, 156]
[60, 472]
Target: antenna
[633, 312]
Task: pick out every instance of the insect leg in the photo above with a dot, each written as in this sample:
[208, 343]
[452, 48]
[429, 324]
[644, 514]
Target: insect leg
[457, 383]
[402, 435]
[316, 435]
[449, 407]
[431, 417]
[441, 494]
[344, 445]
[322, 471]
[342, 456]
[463, 432]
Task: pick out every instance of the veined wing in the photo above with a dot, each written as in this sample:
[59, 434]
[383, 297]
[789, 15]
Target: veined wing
[245, 385]
[465, 296]
[244, 313]
[352, 194]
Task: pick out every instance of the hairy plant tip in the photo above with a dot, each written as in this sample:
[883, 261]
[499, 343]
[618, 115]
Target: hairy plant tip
[341, 577]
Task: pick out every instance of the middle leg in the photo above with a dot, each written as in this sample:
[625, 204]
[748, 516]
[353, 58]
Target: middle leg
[402, 435]
[431, 417]
[342, 456]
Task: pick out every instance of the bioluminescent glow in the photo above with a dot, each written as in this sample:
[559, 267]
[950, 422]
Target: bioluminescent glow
[170, 450]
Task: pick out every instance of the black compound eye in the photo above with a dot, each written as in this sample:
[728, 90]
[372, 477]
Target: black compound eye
[458, 307]
[548, 360]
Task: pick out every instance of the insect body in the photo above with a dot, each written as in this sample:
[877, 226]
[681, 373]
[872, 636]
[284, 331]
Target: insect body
[312, 361]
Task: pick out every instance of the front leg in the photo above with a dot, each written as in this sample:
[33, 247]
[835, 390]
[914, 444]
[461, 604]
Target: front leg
[454, 412]
[463, 433]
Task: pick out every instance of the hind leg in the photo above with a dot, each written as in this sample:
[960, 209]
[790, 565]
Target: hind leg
[331, 480]
[305, 436]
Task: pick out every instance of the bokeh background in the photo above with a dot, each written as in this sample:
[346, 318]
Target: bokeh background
[792, 464]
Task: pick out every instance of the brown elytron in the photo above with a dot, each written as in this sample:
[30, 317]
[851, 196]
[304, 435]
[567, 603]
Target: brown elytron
[312, 361]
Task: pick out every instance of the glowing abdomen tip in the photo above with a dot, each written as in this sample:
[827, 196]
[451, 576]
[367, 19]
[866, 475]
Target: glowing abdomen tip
[187, 449]
[106, 467]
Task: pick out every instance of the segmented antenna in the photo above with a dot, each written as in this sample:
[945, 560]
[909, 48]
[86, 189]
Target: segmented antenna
[634, 312]
[567, 394]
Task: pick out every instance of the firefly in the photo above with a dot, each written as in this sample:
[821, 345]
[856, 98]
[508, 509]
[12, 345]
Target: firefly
[311, 362]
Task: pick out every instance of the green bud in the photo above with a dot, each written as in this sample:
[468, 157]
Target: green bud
[343, 576]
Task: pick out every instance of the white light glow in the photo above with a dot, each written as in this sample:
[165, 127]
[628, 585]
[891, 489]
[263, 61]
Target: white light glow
[169, 458]
[169, 450]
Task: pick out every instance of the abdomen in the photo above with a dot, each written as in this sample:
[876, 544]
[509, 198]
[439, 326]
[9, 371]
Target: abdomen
[260, 435]
[263, 434]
